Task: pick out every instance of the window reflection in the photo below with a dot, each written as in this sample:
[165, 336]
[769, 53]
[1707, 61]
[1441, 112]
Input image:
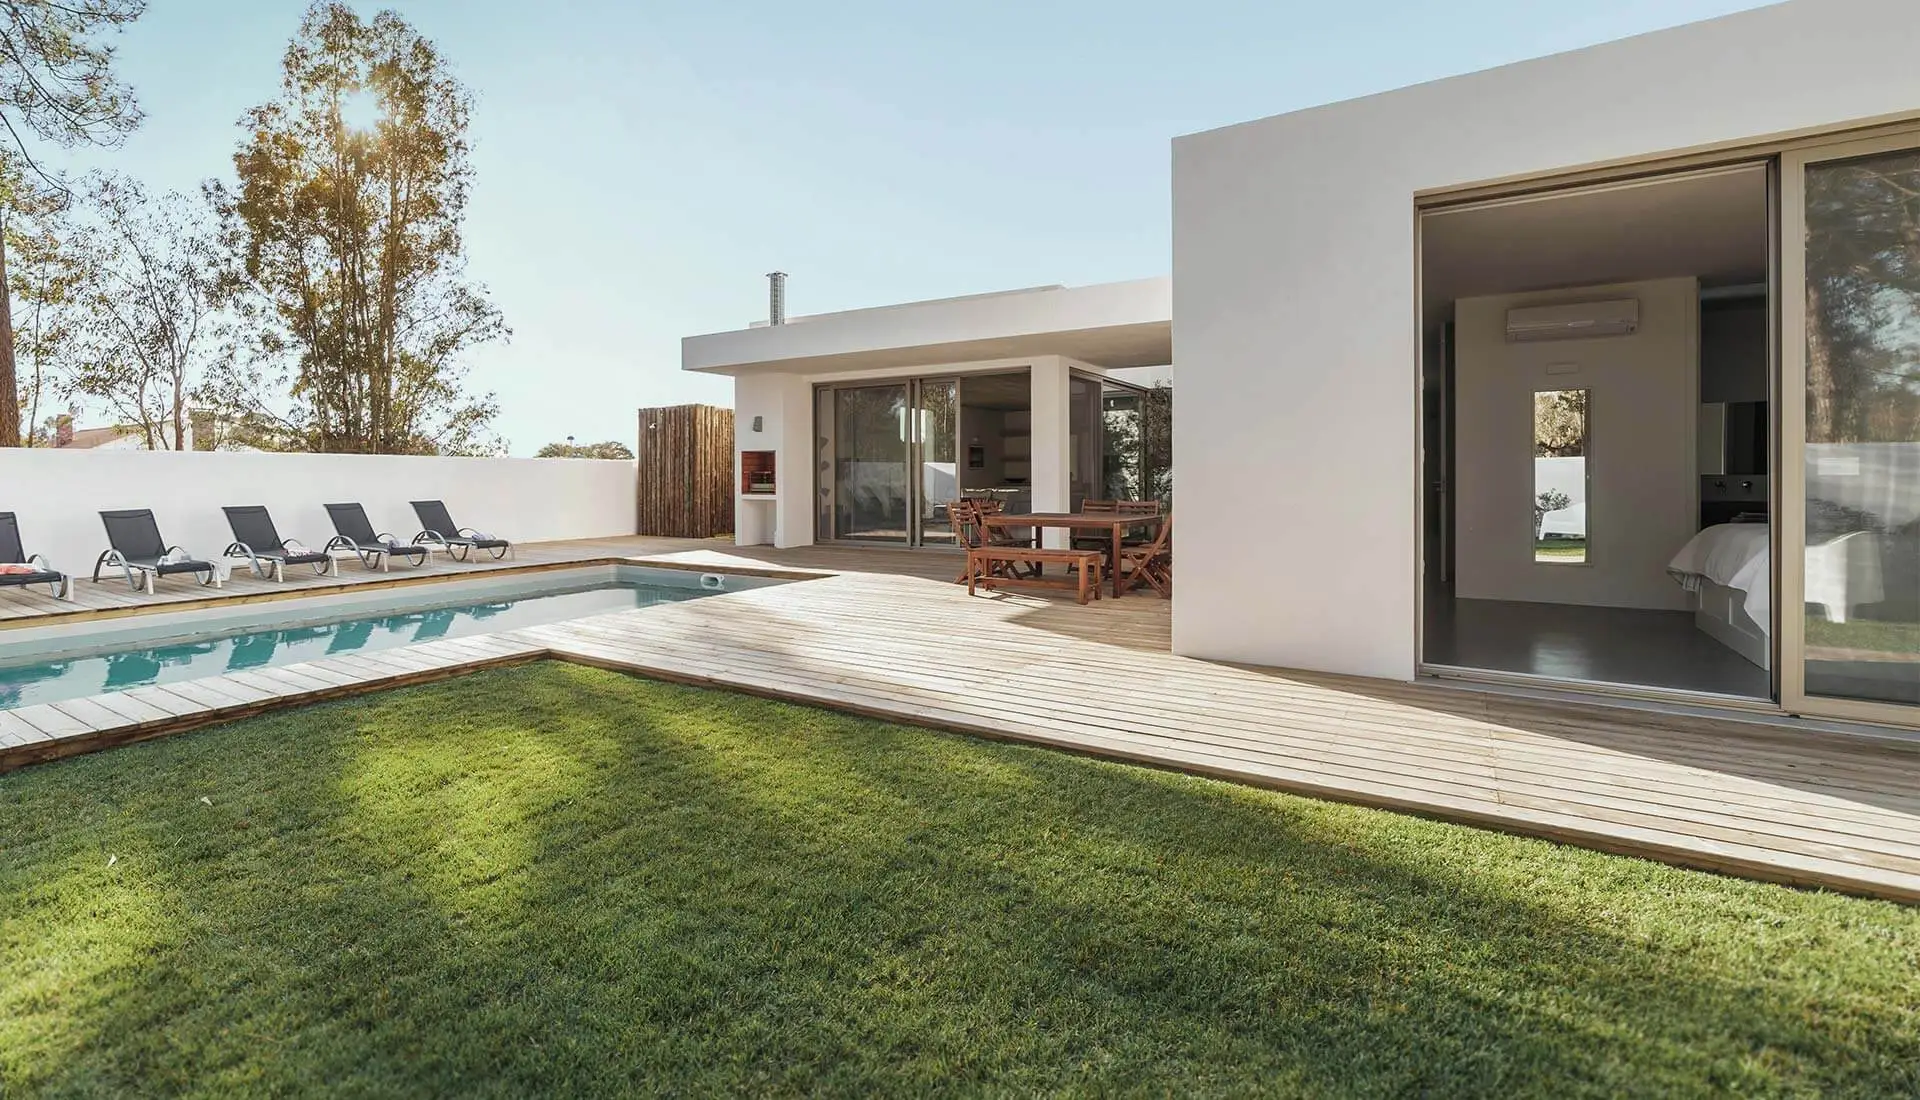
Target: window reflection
[1862, 566]
[1560, 476]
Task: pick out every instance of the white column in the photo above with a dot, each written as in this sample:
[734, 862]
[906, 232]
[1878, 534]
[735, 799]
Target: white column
[1052, 438]
[793, 525]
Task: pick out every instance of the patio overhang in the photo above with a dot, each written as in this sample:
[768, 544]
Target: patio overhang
[1110, 325]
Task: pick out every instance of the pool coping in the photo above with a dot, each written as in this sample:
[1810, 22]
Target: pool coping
[78, 615]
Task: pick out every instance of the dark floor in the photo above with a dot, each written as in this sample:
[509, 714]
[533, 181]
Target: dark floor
[1614, 645]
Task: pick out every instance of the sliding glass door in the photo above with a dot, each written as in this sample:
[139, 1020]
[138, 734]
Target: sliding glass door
[936, 446]
[871, 462]
[888, 461]
[1850, 427]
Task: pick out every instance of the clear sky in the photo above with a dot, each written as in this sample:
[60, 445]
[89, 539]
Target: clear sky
[641, 164]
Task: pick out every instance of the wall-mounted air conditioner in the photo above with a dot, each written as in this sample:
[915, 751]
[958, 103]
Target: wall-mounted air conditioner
[1576, 321]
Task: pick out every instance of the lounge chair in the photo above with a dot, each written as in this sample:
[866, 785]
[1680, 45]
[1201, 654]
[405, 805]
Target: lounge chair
[135, 547]
[258, 540]
[17, 567]
[438, 529]
[356, 533]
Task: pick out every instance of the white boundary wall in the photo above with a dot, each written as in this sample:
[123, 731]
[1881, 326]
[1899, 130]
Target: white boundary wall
[58, 495]
[1294, 296]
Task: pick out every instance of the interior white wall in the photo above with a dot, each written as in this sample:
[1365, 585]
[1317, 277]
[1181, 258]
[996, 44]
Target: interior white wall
[58, 495]
[1294, 280]
[1643, 490]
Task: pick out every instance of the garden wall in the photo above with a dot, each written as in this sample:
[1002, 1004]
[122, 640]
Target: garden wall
[58, 493]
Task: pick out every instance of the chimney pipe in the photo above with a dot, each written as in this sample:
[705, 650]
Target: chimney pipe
[776, 297]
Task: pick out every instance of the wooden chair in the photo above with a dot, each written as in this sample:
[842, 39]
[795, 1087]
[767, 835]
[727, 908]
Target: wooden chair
[1150, 564]
[1094, 541]
[1001, 536]
[1137, 508]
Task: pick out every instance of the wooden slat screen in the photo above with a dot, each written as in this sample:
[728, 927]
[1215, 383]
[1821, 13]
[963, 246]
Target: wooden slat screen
[686, 472]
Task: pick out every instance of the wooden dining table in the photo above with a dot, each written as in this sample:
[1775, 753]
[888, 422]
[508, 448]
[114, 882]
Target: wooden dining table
[1116, 523]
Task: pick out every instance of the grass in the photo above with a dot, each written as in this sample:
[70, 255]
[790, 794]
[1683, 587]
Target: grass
[1569, 550]
[550, 879]
[1864, 634]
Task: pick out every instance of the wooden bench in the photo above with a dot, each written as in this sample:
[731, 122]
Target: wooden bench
[984, 562]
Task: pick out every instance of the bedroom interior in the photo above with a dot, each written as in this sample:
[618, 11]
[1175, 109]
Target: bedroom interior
[1597, 436]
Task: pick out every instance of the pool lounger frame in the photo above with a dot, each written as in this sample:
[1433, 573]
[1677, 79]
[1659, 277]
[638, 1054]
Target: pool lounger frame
[255, 522]
[151, 557]
[13, 553]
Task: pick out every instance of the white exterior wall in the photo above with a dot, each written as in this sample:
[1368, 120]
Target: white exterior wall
[59, 493]
[1643, 393]
[784, 404]
[1294, 296]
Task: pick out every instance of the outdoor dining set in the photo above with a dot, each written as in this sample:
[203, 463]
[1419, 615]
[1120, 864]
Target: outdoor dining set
[137, 551]
[1126, 542]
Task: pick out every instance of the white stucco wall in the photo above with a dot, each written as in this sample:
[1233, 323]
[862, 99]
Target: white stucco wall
[1643, 399]
[58, 495]
[1294, 311]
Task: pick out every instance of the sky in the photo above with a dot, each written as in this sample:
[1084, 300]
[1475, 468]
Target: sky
[641, 164]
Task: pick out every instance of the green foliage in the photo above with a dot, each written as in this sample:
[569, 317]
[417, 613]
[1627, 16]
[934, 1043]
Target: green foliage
[1560, 424]
[57, 87]
[553, 880]
[153, 328]
[346, 229]
[45, 279]
[610, 449]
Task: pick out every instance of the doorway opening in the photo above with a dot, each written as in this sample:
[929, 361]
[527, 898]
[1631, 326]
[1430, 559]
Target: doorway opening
[1598, 435]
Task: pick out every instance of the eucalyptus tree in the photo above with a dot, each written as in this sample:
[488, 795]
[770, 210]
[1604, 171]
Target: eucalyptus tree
[345, 227]
[151, 298]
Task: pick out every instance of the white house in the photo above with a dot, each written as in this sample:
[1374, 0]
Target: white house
[1369, 300]
[861, 426]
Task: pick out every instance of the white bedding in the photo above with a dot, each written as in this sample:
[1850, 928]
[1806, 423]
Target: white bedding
[1733, 555]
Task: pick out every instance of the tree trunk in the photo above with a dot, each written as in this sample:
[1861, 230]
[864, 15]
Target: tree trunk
[9, 381]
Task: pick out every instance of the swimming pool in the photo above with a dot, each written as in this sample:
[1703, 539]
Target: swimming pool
[307, 632]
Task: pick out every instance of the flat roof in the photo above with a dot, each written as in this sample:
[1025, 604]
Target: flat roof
[1112, 325]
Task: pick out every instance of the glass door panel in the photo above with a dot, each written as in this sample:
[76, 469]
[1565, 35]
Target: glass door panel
[937, 415]
[871, 434]
[1850, 538]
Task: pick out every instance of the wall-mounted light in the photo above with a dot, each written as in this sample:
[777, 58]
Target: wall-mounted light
[756, 423]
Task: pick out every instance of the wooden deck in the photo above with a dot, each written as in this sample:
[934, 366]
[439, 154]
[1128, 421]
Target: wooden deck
[886, 633]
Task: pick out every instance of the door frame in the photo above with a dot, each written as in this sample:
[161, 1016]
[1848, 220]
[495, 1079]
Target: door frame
[1790, 475]
[1653, 173]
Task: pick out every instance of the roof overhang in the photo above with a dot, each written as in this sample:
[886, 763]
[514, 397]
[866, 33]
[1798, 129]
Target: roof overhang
[1111, 325]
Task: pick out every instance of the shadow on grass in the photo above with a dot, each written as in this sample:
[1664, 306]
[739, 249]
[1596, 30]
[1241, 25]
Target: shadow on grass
[593, 883]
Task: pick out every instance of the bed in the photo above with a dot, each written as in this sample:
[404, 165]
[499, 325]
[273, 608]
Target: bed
[1729, 570]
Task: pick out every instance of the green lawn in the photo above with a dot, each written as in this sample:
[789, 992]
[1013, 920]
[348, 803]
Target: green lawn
[1560, 550]
[1865, 634]
[555, 880]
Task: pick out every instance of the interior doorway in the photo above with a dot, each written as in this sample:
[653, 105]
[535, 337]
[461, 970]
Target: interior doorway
[1597, 422]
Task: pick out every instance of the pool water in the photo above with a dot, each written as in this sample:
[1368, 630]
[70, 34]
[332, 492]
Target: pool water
[78, 677]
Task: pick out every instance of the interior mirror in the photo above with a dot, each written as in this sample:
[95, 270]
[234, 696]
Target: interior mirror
[1560, 477]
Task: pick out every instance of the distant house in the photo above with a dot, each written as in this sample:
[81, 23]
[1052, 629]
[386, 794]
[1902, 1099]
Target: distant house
[200, 435]
[126, 437]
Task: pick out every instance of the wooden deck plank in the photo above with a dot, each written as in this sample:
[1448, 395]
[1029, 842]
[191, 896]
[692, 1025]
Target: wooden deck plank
[876, 634]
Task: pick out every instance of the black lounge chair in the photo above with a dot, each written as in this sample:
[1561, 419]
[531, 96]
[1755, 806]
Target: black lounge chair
[356, 533]
[40, 570]
[258, 540]
[438, 529]
[134, 545]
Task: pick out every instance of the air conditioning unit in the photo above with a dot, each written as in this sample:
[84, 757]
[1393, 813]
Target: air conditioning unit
[1575, 321]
